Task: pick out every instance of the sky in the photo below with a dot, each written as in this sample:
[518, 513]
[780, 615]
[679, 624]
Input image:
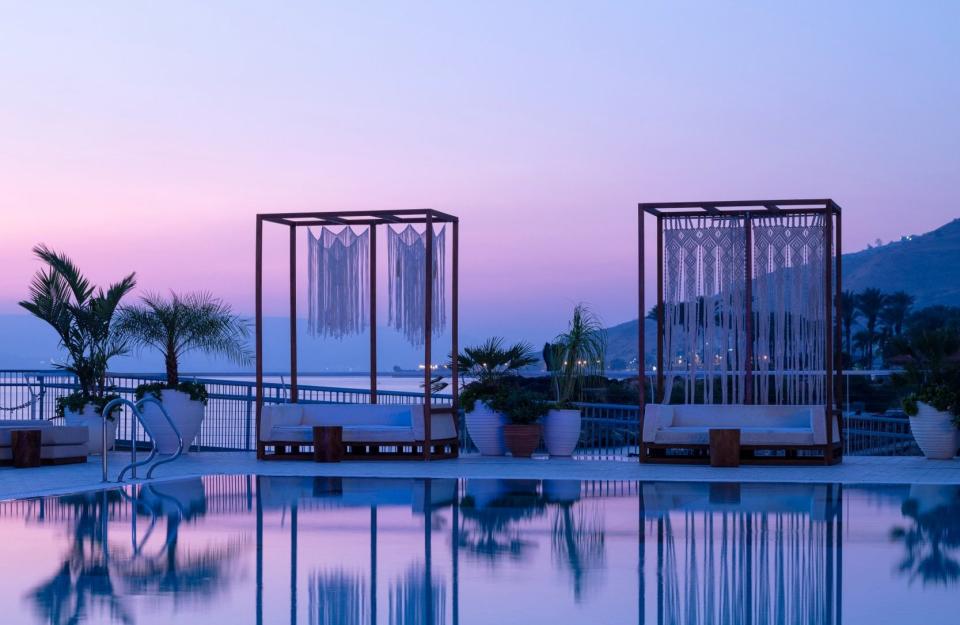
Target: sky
[146, 135]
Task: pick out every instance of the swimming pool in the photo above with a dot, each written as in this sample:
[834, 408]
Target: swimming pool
[258, 549]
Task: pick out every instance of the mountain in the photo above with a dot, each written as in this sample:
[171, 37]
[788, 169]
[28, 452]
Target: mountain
[926, 266]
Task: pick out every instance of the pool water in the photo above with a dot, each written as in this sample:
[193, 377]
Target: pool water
[258, 549]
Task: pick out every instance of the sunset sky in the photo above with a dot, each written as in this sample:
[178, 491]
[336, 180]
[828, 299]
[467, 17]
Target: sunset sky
[146, 136]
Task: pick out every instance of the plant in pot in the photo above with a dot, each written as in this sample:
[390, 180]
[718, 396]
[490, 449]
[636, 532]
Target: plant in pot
[573, 358]
[83, 317]
[524, 410]
[175, 326]
[492, 368]
[930, 360]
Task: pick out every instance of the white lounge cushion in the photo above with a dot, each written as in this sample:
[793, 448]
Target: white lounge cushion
[351, 433]
[49, 434]
[441, 424]
[356, 414]
[279, 414]
[748, 436]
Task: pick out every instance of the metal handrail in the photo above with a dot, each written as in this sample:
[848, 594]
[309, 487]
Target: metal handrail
[137, 410]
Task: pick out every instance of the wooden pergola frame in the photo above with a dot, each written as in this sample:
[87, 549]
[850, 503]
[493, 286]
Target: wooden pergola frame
[428, 217]
[747, 209]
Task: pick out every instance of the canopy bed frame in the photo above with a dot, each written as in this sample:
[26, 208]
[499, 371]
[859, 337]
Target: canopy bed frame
[747, 303]
[425, 448]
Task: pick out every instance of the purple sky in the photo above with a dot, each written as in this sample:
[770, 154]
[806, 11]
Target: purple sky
[145, 137]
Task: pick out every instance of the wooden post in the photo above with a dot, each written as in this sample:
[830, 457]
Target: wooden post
[748, 309]
[373, 314]
[828, 329]
[455, 328]
[641, 339]
[428, 335]
[293, 315]
[837, 338]
[258, 290]
[659, 398]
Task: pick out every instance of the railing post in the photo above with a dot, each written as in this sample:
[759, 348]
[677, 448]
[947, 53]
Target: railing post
[41, 393]
[247, 422]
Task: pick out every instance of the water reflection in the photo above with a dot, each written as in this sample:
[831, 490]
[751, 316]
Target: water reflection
[366, 551]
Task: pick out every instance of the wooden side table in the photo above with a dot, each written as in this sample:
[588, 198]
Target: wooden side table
[327, 443]
[724, 447]
[25, 446]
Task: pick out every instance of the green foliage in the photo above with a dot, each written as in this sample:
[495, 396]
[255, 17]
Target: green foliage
[82, 316]
[521, 406]
[76, 401]
[495, 369]
[196, 391]
[180, 324]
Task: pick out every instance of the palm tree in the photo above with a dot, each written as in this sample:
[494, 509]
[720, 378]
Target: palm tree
[490, 360]
[849, 312]
[577, 354]
[870, 303]
[82, 316]
[896, 309]
[181, 324]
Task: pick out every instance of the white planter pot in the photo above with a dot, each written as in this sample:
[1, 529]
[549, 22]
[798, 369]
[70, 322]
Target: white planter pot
[485, 427]
[185, 413]
[561, 431]
[934, 432]
[91, 419]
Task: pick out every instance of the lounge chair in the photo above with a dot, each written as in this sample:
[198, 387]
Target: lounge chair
[59, 444]
[681, 432]
[369, 430]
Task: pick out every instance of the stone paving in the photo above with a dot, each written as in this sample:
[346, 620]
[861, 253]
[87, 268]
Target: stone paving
[17, 483]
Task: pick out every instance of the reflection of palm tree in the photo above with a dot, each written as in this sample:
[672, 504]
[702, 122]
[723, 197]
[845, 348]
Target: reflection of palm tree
[490, 530]
[578, 541]
[932, 542]
[83, 583]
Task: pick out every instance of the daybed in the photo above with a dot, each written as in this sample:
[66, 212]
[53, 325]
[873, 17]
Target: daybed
[681, 432]
[59, 444]
[369, 430]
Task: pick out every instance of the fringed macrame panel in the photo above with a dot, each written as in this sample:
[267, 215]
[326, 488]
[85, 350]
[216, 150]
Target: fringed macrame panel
[338, 282]
[788, 304]
[704, 316]
[406, 255]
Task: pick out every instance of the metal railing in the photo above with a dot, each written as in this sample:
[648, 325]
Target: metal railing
[609, 431]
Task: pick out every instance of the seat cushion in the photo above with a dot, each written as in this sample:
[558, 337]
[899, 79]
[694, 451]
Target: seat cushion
[356, 414]
[351, 433]
[748, 436]
[49, 434]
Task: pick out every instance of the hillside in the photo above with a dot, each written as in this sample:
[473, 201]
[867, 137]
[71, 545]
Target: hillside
[927, 266]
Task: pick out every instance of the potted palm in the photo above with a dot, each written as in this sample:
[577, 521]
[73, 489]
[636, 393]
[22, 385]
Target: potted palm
[573, 357]
[930, 359]
[492, 368]
[524, 410]
[175, 326]
[83, 317]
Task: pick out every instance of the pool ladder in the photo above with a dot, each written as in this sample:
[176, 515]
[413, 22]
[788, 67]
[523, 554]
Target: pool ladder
[137, 410]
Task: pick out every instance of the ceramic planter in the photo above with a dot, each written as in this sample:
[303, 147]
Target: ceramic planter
[935, 433]
[561, 431]
[485, 427]
[185, 413]
[91, 419]
[522, 440]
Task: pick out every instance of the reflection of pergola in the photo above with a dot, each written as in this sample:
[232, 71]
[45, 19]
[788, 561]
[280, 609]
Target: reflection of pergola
[330, 487]
[369, 219]
[747, 553]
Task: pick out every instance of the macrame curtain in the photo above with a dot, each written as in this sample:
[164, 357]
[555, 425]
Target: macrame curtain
[704, 313]
[338, 271]
[406, 255]
[788, 304]
[705, 308]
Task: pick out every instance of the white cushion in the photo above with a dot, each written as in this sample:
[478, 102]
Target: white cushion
[351, 433]
[279, 414]
[748, 436]
[356, 414]
[772, 424]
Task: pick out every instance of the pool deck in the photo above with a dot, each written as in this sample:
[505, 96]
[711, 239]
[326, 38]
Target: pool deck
[18, 483]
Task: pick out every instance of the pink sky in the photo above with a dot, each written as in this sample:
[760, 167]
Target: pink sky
[147, 138]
